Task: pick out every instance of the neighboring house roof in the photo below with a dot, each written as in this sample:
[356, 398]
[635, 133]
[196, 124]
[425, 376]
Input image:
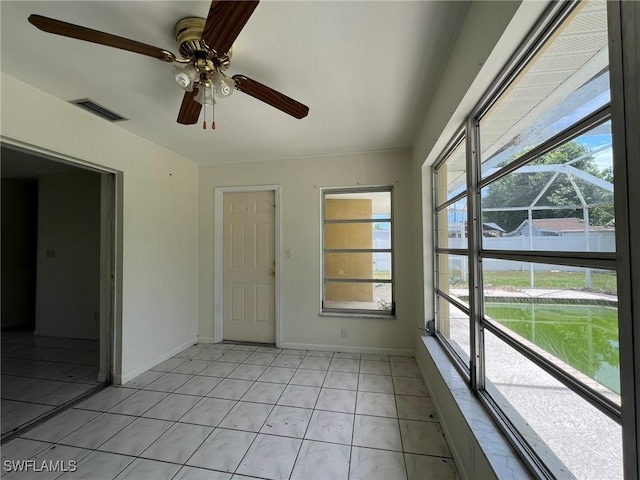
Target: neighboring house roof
[485, 226]
[492, 226]
[559, 225]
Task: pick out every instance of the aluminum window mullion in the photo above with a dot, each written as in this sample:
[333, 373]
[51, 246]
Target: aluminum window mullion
[385, 314]
[607, 261]
[371, 189]
[357, 280]
[453, 251]
[451, 201]
[358, 250]
[474, 235]
[460, 306]
[392, 243]
[436, 246]
[360, 220]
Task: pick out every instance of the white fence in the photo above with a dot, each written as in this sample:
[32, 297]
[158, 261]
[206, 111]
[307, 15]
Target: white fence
[598, 242]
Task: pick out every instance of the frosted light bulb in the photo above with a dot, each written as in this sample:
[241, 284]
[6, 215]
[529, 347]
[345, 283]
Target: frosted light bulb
[224, 85]
[183, 80]
[186, 77]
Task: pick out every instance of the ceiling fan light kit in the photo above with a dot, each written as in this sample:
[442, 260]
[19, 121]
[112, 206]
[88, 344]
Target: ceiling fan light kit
[205, 48]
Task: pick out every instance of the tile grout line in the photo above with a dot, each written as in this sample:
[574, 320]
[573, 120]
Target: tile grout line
[355, 409]
[404, 456]
[313, 410]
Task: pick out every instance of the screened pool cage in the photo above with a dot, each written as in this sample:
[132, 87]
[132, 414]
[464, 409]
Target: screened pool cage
[552, 205]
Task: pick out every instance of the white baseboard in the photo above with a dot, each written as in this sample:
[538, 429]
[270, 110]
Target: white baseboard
[202, 339]
[350, 349]
[66, 334]
[134, 372]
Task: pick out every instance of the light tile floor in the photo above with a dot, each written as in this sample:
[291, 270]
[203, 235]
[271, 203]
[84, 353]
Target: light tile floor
[237, 411]
[40, 373]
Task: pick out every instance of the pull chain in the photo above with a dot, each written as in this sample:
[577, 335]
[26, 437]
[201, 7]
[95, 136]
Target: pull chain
[213, 116]
[204, 117]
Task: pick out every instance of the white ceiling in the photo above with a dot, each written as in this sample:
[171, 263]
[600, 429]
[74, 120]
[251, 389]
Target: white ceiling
[365, 69]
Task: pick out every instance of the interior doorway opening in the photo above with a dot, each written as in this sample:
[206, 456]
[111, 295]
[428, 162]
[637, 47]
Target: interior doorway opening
[58, 241]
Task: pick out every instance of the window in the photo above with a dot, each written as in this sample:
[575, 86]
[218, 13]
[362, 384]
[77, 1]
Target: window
[358, 251]
[525, 250]
[452, 260]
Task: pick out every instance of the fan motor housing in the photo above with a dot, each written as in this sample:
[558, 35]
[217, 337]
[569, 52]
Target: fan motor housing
[189, 38]
[189, 34]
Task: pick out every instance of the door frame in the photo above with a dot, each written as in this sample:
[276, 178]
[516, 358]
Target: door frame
[218, 257]
[111, 201]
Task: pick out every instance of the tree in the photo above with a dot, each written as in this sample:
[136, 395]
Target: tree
[522, 189]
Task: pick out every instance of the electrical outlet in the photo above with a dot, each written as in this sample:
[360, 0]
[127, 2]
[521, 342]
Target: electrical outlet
[344, 333]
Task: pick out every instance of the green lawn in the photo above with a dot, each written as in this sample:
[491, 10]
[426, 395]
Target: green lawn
[600, 282]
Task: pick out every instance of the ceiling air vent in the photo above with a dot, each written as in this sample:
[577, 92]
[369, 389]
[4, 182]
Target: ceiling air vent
[98, 110]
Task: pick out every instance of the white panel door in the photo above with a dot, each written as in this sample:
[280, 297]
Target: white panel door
[249, 266]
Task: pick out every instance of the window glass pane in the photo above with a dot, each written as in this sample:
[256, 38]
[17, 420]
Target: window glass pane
[358, 296]
[451, 176]
[587, 441]
[453, 324]
[453, 276]
[357, 206]
[452, 225]
[567, 194]
[568, 314]
[358, 265]
[566, 81]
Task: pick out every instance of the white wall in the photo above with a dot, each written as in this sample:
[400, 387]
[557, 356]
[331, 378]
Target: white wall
[300, 181]
[159, 218]
[19, 224]
[68, 253]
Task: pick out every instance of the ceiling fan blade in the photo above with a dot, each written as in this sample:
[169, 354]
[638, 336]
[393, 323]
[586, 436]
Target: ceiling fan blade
[225, 21]
[190, 109]
[89, 35]
[270, 96]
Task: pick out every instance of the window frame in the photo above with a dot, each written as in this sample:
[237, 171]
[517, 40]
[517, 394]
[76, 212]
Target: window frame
[369, 313]
[460, 363]
[474, 374]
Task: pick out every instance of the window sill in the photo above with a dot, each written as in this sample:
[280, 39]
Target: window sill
[477, 444]
[358, 315]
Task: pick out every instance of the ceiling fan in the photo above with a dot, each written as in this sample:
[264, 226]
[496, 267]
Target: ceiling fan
[205, 49]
